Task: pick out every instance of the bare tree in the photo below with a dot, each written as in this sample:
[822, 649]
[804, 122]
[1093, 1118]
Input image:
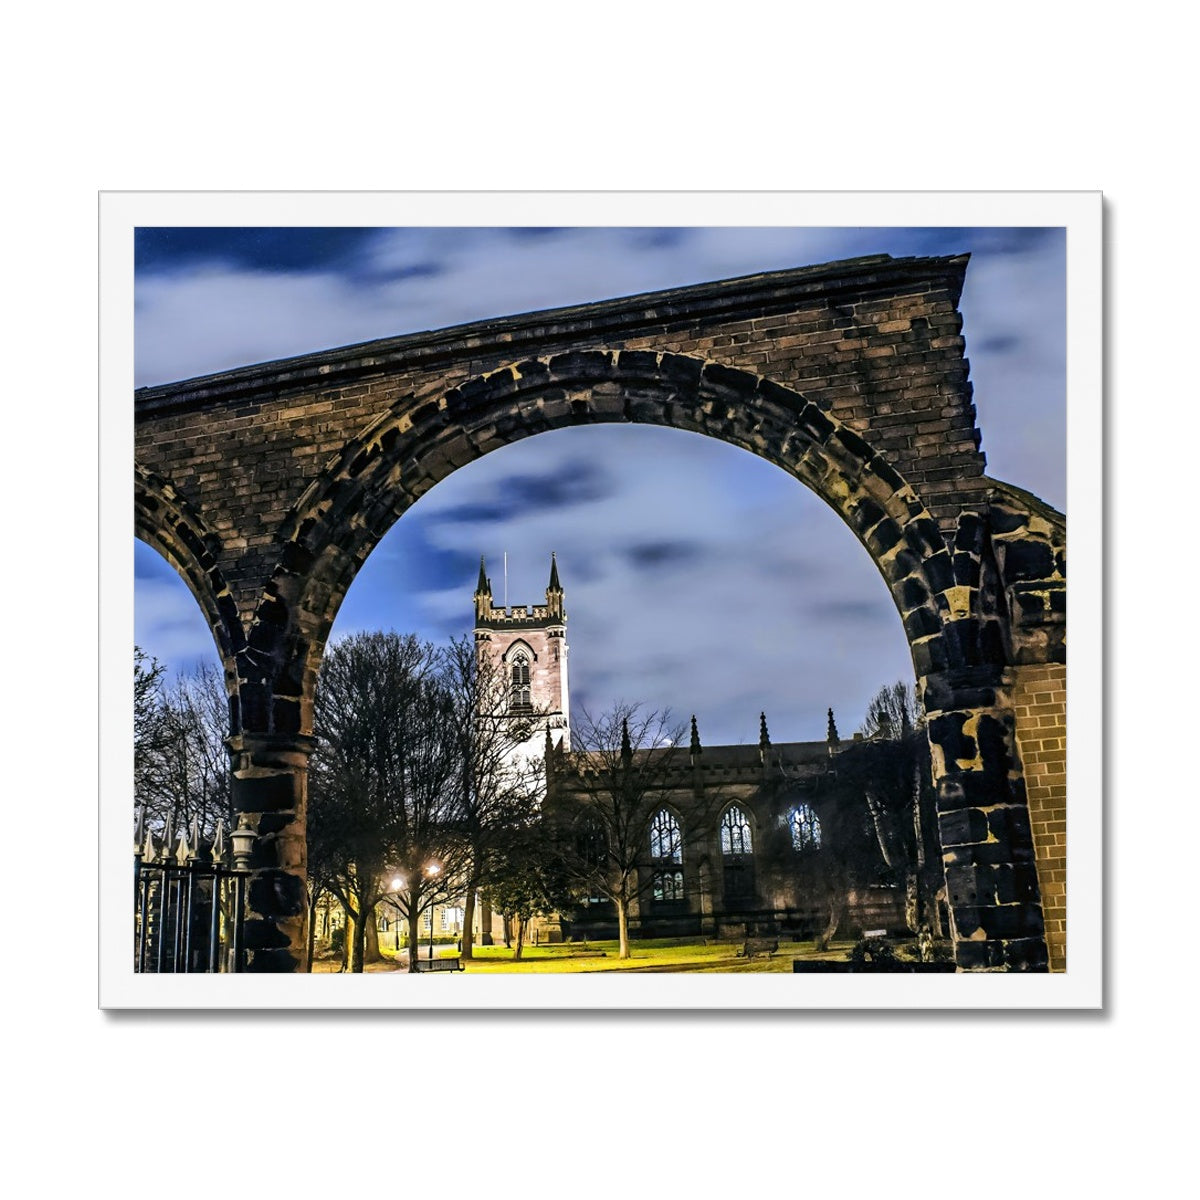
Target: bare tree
[889, 769]
[528, 879]
[152, 729]
[609, 792]
[181, 762]
[387, 813]
[893, 712]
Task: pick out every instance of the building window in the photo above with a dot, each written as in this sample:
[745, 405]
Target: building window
[666, 852]
[805, 827]
[520, 697]
[668, 886]
[666, 845]
[736, 848]
[591, 844]
[735, 833]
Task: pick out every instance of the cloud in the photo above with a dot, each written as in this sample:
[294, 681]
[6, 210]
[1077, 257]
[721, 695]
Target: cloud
[574, 481]
[168, 623]
[179, 250]
[649, 556]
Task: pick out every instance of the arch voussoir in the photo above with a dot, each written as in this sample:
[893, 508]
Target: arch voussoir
[165, 520]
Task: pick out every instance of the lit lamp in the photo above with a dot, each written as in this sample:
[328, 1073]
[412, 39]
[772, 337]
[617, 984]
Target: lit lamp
[243, 839]
[398, 885]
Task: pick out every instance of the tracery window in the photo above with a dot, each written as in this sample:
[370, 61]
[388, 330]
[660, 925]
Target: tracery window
[591, 843]
[735, 832]
[666, 844]
[668, 886]
[666, 853]
[805, 827]
[520, 696]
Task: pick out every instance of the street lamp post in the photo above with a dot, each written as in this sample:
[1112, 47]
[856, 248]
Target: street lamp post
[432, 872]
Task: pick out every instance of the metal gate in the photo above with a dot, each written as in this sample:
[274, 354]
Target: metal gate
[189, 899]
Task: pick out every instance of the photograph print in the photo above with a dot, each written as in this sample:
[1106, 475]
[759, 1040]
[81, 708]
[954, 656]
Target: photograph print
[679, 608]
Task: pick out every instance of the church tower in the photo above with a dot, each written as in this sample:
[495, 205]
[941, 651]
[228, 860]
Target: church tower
[528, 645]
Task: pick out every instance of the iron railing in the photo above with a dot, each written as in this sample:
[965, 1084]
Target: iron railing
[189, 902]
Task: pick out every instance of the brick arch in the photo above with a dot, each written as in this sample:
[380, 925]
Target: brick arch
[345, 513]
[166, 521]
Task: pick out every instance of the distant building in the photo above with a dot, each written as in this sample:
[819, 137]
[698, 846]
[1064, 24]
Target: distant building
[741, 838]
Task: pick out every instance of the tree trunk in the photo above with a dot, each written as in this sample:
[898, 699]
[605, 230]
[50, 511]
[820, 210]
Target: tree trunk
[468, 931]
[623, 926]
[414, 937]
[520, 923]
[312, 933]
[885, 833]
[837, 906]
[356, 952]
[912, 901]
[371, 951]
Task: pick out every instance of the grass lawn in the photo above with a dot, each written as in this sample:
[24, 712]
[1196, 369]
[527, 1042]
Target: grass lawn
[664, 955]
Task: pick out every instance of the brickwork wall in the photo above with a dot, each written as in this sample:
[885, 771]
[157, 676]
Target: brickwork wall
[877, 344]
[1040, 704]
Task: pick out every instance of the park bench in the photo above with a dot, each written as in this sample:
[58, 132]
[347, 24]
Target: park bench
[449, 963]
[753, 946]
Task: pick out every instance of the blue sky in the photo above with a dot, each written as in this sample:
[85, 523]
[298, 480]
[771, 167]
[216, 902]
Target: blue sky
[697, 576]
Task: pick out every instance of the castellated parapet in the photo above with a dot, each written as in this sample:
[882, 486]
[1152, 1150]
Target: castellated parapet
[529, 647]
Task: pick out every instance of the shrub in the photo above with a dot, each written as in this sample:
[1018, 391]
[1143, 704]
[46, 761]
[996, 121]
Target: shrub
[873, 950]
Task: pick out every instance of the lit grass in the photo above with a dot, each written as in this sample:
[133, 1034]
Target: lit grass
[664, 955]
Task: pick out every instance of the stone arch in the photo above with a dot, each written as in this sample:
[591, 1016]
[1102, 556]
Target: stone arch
[519, 644]
[165, 520]
[358, 496]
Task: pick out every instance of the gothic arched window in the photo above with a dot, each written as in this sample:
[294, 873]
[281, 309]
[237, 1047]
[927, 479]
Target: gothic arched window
[666, 852]
[591, 844]
[520, 698]
[668, 887]
[735, 832]
[666, 844]
[805, 827]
